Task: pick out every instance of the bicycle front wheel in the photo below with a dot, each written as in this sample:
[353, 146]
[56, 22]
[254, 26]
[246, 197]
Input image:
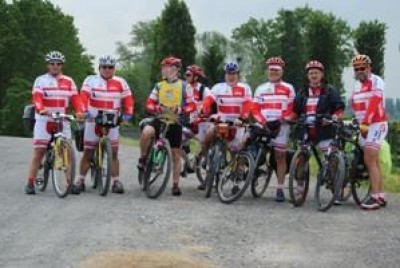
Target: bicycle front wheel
[213, 167]
[63, 167]
[235, 178]
[103, 167]
[299, 178]
[43, 175]
[329, 182]
[158, 170]
[261, 178]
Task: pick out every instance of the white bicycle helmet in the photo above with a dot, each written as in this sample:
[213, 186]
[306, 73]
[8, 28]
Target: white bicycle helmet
[55, 56]
[107, 60]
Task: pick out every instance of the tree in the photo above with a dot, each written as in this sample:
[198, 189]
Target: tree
[213, 49]
[254, 41]
[292, 47]
[44, 28]
[11, 47]
[370, 39]
[177, 33]
[139, 61]
[33, 28]
[390, 107]
[327, 39]
[298, 36]
[17, 95]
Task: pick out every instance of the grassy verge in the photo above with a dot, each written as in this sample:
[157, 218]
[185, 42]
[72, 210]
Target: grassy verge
[391, 182]
[129, 141]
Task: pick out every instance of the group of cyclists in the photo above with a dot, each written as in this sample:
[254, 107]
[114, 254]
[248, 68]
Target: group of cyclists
[273, 105]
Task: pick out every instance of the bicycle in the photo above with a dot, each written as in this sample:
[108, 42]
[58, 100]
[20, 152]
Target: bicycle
[227, 166]
[159, 161]
[101, 163]
[331, 174]
[59, 160]
[262, 150]
[299, 170]
[192, 155]
[356, 175]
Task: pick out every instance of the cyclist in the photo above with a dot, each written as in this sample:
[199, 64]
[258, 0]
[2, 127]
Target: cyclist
[368, 105]
[193, 75]
[104, 91]
[273, 104]
[318, 98]
[171, 94]
[233, 100]
[52, 92]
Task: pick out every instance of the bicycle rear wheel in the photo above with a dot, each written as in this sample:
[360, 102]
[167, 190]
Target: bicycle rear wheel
[235, 178]
[359, 180]
[299, 178]
[158, 170]
[103, 166]
[329, 182]
[63, 167]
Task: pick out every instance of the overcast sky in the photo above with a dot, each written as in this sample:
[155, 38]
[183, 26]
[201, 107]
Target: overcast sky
[102, 23]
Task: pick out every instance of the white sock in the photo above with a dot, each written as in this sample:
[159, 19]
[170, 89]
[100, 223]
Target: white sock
[281, 187]
[115, 178]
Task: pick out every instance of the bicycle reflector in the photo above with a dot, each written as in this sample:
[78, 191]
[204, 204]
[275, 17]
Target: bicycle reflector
[51, 127]
[222, 129]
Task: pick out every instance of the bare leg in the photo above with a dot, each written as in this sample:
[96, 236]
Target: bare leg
[145, 139]
[371, 159]
[177, 165]
[38, 154]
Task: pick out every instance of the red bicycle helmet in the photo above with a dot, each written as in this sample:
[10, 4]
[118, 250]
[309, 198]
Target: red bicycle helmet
[171, 61]
[195, 70]
[275, 61]
[314, 64]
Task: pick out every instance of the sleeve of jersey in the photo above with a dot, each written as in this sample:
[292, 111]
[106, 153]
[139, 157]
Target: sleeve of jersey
[190, 105]
[152, 101]
[372, 107]
[37, 96]
[256, 112]
[128, 101]
[76, 100]
[338, 104]
[247, 104]
[207, 104]
[289, 108]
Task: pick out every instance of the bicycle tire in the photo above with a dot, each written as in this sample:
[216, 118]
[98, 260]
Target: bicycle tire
[165, 150]
[46, 166]
[293, 179]
[357, 183]
[335, 185]
[104, 180]
[264, 173]
[65, 145]
[213, 167]
[199, 169]
[245, 156]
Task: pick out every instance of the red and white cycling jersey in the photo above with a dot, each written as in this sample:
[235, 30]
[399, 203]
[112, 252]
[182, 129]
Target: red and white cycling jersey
[367, 100]
[111, 94]
[232, 102]
[198, 97]
[273, 101]
[54, 93]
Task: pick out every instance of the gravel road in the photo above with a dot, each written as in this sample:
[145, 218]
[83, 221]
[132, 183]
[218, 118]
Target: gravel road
[45, 231]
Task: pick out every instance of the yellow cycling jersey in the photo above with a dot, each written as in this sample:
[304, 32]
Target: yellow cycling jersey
[170, 94]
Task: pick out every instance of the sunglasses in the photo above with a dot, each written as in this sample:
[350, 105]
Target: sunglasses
[55, 63]
[361, 69]
[107, 67]
[189, 75]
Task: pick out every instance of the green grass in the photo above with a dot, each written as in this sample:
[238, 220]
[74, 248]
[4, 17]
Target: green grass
[129, 141]
[391, 182]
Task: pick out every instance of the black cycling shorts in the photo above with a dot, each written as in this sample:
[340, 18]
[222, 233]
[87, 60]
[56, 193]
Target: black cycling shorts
[173, 135]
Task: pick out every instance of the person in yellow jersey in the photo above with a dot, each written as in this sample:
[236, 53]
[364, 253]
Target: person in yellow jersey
[175, 96]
